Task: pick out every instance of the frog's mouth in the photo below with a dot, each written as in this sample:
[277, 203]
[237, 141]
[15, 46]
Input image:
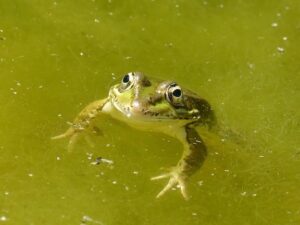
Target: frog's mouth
[113, 96]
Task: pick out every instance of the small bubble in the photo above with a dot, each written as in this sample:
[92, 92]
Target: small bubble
[284, 38]
[81, 54]
[30, 175]
[135, 172]
[261, 156]
[114, 182]
[194, 214]
[96, 20]
[274, 24]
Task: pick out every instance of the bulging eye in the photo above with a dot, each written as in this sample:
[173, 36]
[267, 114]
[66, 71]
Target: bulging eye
[127, 81]
[174, 94]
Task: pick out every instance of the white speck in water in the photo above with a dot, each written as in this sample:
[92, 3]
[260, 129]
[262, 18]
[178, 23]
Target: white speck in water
[221, 6]
[6, 193]
[223, 140]
[226, 171]
[41, 86]
[284, 38]
[114, 182]
[113, 76]
[255, 131]
[30, 175]
[261, 156]
[15, 92]
[3, 218]
[18, 83]
[200, 182]
[212, 174]
[1, 31]
[274, 24]
[128, 57]
[243, 193]
[96, 20]
[204, 2]
[251, 66]
[177, 6]
[57, 158]
[217, 153]
[81, 54]
[135, 172]
[194, 214]
[254, 195]
[59, 115]
[280, 49]
[107, 145]
[278, 14]
[209, 80]
[126, 188]
[111, 13]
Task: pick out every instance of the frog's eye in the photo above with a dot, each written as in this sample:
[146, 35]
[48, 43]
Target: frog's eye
[174, 94]
[127, 81]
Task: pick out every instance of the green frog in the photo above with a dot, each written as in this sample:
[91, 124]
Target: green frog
[158, 106]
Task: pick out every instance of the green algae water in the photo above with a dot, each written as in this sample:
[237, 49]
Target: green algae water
[58, 56]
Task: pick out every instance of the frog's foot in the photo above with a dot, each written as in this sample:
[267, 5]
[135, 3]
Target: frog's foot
[75, 135]
[176, 179]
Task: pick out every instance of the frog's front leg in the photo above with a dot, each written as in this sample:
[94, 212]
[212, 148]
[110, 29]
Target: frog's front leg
[83, 123]
[193, 157]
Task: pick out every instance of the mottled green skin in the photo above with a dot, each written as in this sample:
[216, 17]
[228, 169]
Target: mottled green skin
[158, 106]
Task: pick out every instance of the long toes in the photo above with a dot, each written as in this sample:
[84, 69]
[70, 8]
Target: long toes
[183, 190]
[68, 133]
[72, 142]
[170, 184]
[162, 176]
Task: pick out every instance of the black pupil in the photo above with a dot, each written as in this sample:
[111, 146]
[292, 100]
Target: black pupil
[126, 78]
[177, 92]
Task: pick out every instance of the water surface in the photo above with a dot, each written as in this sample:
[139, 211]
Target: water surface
[58, 56]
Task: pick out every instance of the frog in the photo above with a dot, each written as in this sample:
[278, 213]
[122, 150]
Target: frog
[153, 105]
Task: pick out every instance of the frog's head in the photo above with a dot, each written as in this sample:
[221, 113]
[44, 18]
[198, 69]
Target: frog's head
[140, 96]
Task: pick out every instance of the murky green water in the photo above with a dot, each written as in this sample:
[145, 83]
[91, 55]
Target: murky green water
[58, 56]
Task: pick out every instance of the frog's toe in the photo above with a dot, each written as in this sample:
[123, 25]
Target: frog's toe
[68, 133]
[175, 180]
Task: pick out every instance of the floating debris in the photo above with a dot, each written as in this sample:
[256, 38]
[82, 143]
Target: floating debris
[280, 49]
[3, 218]
[243, 193]
[274, 24]
[102, 160]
